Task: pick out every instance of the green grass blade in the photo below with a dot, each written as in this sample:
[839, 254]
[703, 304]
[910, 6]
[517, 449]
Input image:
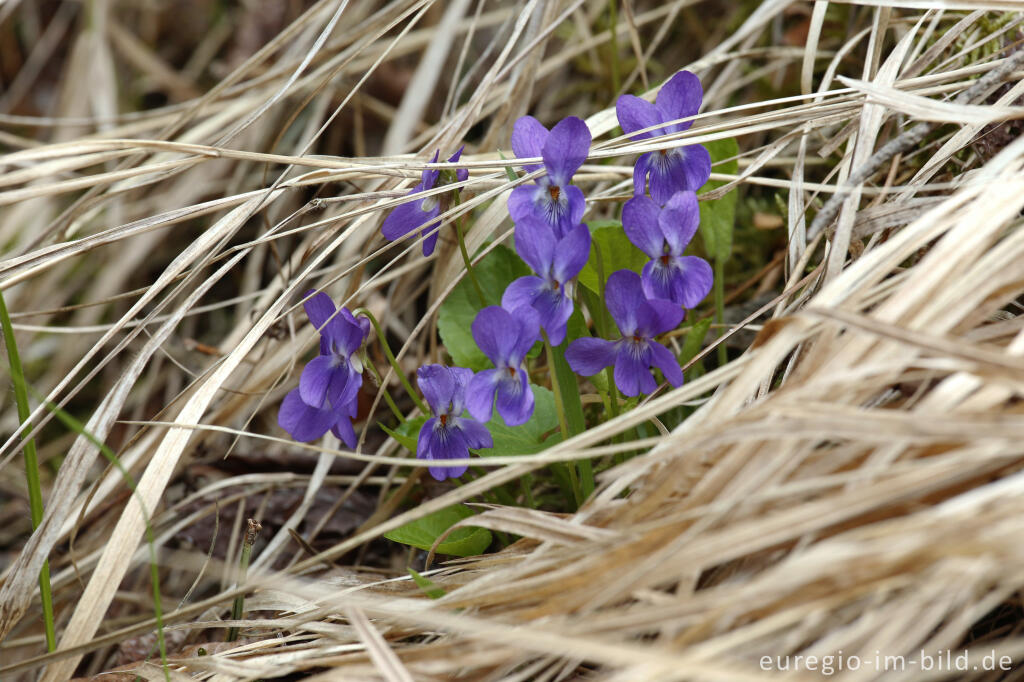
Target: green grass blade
[35, 493]
[154, 574]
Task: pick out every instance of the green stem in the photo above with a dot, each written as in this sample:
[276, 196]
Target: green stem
[459, 230]
[154, 572]
[524, 485]
[719, 289]
[380, 382]
[238, 607]
[35, 492]
[570, 415]
[391, 359]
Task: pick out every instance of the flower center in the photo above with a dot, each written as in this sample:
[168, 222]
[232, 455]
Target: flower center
[511, 371]
[554, 191]
[443, 419]
[665, 259]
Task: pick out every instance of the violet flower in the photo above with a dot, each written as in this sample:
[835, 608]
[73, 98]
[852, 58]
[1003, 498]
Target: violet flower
[448, 435]
[421, 214]
[556, 262]
[663, 234]
[639, 320]
[670, 170]
[327, 396]
[563, 149]
[505, 338]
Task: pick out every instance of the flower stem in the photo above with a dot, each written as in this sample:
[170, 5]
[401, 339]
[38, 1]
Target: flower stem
[391, 359]
[238, 607]
[35, 494]
[570, 414]
[459, 230]
[723, 356]
[380, 382]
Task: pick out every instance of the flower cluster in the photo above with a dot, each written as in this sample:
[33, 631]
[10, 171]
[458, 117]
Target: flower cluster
[661, 225]
[660, 220]
[327, 396]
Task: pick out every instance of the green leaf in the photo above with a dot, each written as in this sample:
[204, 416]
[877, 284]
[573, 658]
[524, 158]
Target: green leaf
[694, 340]
[718, 216]
[407, 432]
[617, 253]
[495, 272]
[421, 533]
[428, 586]
[510, 172]
[529, 437]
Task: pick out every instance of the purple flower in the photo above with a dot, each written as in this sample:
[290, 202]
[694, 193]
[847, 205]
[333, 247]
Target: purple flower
[448, 435]
[639, 320]
[422, 213]
[556, 262]
[327, 396]
[505, 338]
[564, 149]
[671, 170]
[663, 235]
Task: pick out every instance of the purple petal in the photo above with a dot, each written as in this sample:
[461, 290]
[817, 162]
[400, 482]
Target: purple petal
[658, 316]
[667, 176]
[663, 359]
[461, 174]
[430, 240]
[696, 167]
[657, 280]
[640, 171]
[319, 308]
[315, 380]
[522, 204]
[678, 221]
[588, 356]
[438, 385]
[344, 386]
[302, 422]
[535, 243]
[515, 399]
[624, 296]
[405, 218]
[572, 217]
[441, 442]
[461, 376]
[571, 254]
[678, 98]
[495, 332]
[522, 293]
[527, 333]
[423, 441]
[344, 333]
[476, 434]
[528, 137]
[640, 222]
[555, 309]
[343, 430]
[693, 283]
[566, 149]
[636, 114]
[448, 442]
[429, 177]
[480, 394]
[632, 375]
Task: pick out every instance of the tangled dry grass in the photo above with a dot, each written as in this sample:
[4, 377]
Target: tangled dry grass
[852, 481]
